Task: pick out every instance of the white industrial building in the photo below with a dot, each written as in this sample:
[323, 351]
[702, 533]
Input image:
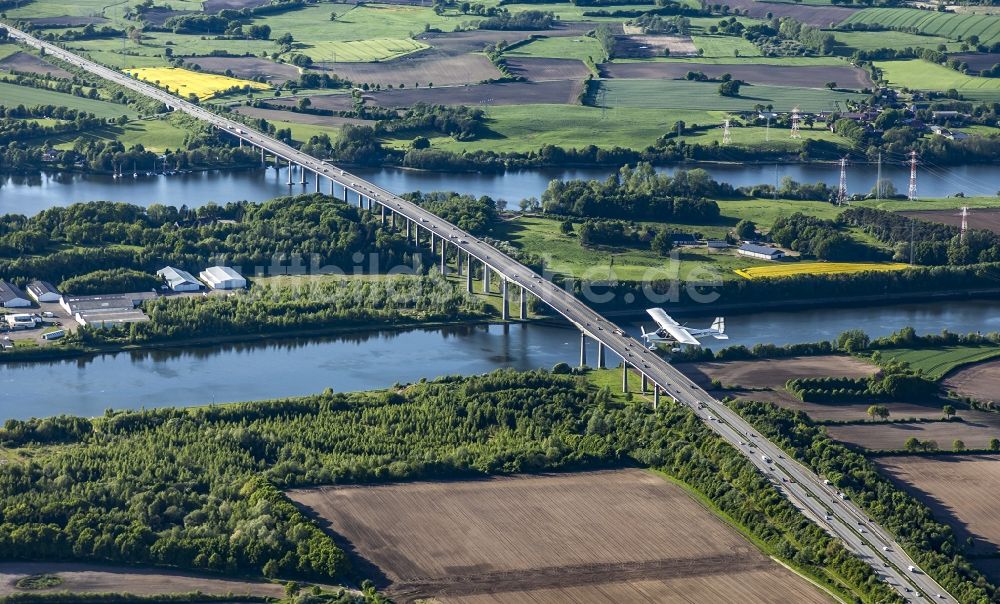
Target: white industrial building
[222, 277]
[12, 297]
[22, 320]
[43, 291]
[761, 252]
[178, 280]
[106, 310]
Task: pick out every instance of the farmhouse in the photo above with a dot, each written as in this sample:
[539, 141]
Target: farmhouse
[222, 277]
[178, 280]
[12, 297]
[761, 252]
[43, 291]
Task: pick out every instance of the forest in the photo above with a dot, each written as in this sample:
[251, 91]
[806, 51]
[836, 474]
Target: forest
[199, 488]
[929, 243]
[314, 233]
[639, 193]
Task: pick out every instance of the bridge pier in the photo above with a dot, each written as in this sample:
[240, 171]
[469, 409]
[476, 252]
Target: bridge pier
[600, 354]
[656, 396]
[346, 197]
[302, 175]
[383, 214]
[392, 218]
[406, 221]
[505, 302]
[444, 256]
[468, 275]
[458, 260]
[289, 173]
[523, 306]
[263, 160]
[583, 349]
[333, 184]
[317, 181]
[486, 278]
[624, 375]
[645, 383]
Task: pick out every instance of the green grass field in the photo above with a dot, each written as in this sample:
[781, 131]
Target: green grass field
[938, 362]
[849, 41]
[762, 138]
[917, 74]
[562, 47]
[528, 127]
[947, 25]
[154, 134]
[12, 94]
[948, 203]
[6, 50]
[680, 94]
[312, 24]
[725, 46]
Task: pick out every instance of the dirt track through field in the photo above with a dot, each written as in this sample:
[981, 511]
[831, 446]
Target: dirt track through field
[581, 531]
[777, 75]
[980, 381]
[93, 578]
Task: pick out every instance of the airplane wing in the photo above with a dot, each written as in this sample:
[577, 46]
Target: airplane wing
[672, 327]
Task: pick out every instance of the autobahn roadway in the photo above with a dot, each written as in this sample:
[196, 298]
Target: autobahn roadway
[806, 490]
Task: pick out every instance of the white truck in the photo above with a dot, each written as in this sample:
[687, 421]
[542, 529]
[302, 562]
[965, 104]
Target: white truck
[766, 458]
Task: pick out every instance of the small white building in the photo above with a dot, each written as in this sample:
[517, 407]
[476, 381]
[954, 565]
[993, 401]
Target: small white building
[178, 280]
[43, 291]
[12, 296]
[222, 277]
[761, 252]
[22, 320]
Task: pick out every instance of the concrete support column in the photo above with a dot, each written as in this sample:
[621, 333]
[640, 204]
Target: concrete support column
[316, 174]
[505, 302]
[600, 354]
[486, 279]
[458, 260]
[263, 160]
[241, 143]
[289, 173]
[332, 186]
[383, 214]
[302, 175]
[583, 349]
[444, 256]
[393, 218]
[624, 375]
[468, 277]
[656, 396]
[407, 222]
[645, 383]
[523, 306]
[346, 194]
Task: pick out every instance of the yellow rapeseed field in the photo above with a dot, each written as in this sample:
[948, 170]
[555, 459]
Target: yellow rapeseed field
[816, 268]
[183, 82]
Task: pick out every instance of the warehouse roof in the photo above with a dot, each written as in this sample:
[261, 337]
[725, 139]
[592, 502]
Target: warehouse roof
[107, 302]
[40, 288]
[176, 277]
[760, 249]
[221, 273]
[10, 292]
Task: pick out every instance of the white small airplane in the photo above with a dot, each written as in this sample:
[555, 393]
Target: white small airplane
[670, 331]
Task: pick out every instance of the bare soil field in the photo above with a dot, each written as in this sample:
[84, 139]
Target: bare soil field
[334, 102]
[975, 431]
[436, 68]
[830, 411]
[92, 578]
[300, 118]
[980, 381]
[627, 533]
[820, 16]
[978, 61]
[962, 492]
[565, 92]
[778, 75]
[22, 61]
[645, 46]
[537, 69]
[158, 15]
[773, 373]
[214, 6]
[987, 219]
[248, 67]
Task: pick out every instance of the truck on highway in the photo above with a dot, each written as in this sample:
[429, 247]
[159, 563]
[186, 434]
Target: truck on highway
[766, 458]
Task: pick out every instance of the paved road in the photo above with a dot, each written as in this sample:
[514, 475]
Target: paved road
[804, 488]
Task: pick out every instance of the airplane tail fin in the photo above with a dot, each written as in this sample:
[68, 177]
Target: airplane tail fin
[719, 328]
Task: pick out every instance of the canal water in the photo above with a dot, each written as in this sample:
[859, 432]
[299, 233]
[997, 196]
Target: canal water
[32, 194]
[298, 366]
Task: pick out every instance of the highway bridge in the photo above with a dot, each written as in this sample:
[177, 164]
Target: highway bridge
[816, 499]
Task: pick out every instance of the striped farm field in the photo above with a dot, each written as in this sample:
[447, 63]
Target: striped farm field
[791, 269]
[947, 25]
[362, 51]
[185, 82]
